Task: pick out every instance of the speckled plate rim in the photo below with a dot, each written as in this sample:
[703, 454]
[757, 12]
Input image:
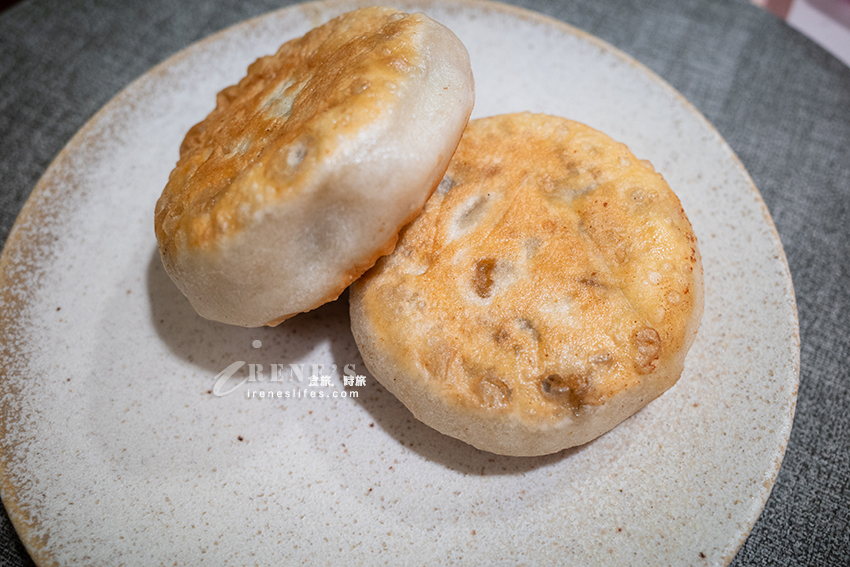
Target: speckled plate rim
[33, 213]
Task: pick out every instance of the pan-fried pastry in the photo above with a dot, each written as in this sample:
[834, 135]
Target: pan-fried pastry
[551, 287]
[306, 170]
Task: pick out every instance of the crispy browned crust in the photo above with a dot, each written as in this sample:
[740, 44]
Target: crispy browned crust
[297, 102]
[551, 288]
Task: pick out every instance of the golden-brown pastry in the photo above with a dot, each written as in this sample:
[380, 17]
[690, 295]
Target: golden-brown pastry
[550, 288]
[306, 170]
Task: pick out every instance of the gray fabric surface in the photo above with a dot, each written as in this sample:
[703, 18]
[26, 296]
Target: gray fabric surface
[781, 102]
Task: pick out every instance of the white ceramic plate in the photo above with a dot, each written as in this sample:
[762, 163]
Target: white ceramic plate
[115, 451]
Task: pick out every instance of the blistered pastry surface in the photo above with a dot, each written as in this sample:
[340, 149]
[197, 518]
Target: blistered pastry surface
[552, 270]
[270, 133]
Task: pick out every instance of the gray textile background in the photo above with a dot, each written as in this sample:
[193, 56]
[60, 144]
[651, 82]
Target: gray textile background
[780, 101]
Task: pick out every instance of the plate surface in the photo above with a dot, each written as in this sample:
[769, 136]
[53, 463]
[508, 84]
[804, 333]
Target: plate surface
[115, 449]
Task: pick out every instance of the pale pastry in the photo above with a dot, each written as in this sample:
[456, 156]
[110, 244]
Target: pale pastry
[306, 170]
